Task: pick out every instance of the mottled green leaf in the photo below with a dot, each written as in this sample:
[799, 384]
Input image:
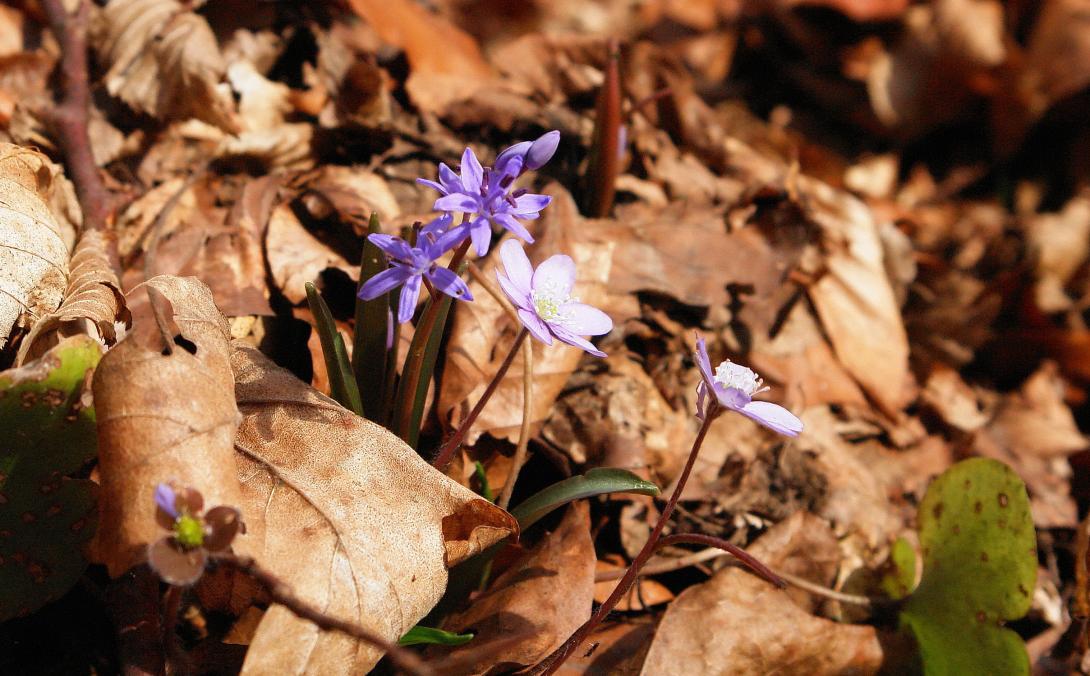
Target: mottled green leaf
[979, 569]
[899, 574]
[48, 433]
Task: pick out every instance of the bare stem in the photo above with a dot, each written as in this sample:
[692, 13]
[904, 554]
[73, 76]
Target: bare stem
[747, 559]
[451, 446]
[281, 593]
[551, 663]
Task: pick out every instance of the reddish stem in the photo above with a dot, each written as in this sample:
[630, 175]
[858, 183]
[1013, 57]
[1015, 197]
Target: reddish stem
[448, 449]
[750, 561]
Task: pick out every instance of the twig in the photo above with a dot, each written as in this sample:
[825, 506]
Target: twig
[527, 388]
[746, 559]
[818, 590]
[281, 593]
[662, 564]
[70, 116]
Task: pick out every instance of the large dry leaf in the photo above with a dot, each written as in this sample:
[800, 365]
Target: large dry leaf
[855, 300]
[164, 417]
[547, 596]
[445, 63]
[33, 254]
[736, 623]
[354, 520]
[296, 257]
[93, 303]
[482, 332]
[163, 60]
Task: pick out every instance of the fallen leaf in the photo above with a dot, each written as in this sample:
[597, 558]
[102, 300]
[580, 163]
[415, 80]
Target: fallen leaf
[616, 649]
[736, 623]
[341, 525]
[643, 594]
[296, 257]
[548, 592]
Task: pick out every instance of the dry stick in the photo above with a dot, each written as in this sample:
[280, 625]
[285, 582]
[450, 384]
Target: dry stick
[448, 449]
[527, 388]
[558, 656]
[281, 593]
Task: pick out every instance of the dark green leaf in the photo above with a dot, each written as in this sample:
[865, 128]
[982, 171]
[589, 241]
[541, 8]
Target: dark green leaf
[427, 636]
[342, 383]
[369, 352]
[595, 482]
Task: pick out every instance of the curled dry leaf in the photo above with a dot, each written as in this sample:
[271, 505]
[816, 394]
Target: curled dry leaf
[736, 623]
[296, 257]
[164, 416]
[547, 596]
[482, 332]
[33, 253]
[163, 60]
[353, 519]
[93, 304]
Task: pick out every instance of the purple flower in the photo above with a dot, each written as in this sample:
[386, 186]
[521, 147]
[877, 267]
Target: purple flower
[410, 265]
[734, 386]
[482, 193]
[179, 557]
[544, 302]
[166, 500]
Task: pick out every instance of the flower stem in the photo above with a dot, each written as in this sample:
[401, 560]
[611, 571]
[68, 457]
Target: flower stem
[446, 452]
[551, 663]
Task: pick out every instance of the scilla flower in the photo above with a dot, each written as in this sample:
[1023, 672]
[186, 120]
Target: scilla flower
[483, 193]
[544, 301]
[410, 265]
[179, 557]
[734, 386]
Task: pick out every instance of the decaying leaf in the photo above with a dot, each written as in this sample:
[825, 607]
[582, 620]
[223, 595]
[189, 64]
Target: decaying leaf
[737, 623]
[548, 593]
[166, 412]
[33, 253]
[296, 257]
[353, 519]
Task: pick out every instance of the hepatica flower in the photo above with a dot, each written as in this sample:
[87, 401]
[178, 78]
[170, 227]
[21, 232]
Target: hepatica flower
[544, 301]
[180, 556]
[484, 193]
[410, 265]
[734, 386]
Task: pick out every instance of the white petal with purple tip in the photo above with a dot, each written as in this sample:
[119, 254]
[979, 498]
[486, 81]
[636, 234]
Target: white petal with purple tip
[517, 265]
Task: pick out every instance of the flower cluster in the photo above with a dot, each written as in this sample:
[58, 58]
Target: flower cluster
[180, 556]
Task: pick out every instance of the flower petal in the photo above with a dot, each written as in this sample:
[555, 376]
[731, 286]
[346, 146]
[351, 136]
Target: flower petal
[704, 362]
[529, 205]
[224, 523]
[571, 339]
[517, 265]
[557, 273]
[537, 327]
[449, 180]
[521, 299]
[773, 416]
[437, 226]
[472, 172]
[481, 234]
[457, 201]
[188, 501]
[395, 247]
[175, 565]
[407, 301]
[449, 283]
[164, 500]
[585, 320]
[384, 281]
[516, 152]
[518, 229]
[433, 185]
[542, 149]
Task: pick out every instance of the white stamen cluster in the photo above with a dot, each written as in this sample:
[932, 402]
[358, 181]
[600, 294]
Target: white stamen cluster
[731, 375]
[551, 303]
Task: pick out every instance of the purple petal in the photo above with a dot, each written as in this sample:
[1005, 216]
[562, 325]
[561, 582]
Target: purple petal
[457, 201]
[437, 226]
[472, 172]
[529, 205]
[517, 266]
[571, 339]
[407, 301]
[537, 327]
[557, 274]
[521, 299]
[514, 227]
[394, 246]
[731, 397]
[542, 150]
[164, 499]
[704, 362]
[586, 320]
[775, 417]
[383, 282]
[450, 284]
[449, 179]
[481, 234]
[447, 241]
[433, 185]
[507, 156]
[701, 397]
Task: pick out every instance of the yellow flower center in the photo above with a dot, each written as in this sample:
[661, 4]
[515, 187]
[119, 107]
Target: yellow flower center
[189, 531]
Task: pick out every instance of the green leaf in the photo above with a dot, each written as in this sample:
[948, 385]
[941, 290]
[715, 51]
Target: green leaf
[595, 482]
[899, 575]
[979, 570]
[482, 478]
[426, 635]
[412, 391]
[342, 383]
[369, 344]
[45, 517]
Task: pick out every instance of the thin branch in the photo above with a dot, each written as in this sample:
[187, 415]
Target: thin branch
[281, 593]
[663, 564]
[818, 590]
[744, 557]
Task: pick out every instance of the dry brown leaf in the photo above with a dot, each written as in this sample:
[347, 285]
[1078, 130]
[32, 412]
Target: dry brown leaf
[952, 398]
[1036, 421]
[482, 332]
[164, 417]
[1060, 243]
[163, 60]
[643, 594]
[33, 253]
[737, 623]
[1057, 56]
[354, 520]
[621, 648]
[93, 302]
[854, 299]
[264, 134]
[445, 63]
[296, 257]
[548, 593]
